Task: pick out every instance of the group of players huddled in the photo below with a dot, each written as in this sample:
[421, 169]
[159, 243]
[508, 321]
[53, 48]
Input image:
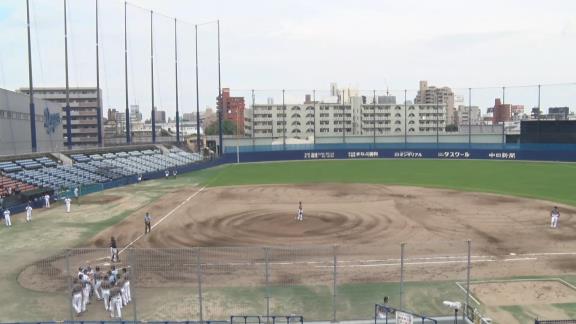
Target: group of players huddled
[111, 287]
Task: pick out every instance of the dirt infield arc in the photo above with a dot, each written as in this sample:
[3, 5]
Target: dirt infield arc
[352, 214]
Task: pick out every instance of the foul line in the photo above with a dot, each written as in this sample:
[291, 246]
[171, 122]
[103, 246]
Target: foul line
[164, 217]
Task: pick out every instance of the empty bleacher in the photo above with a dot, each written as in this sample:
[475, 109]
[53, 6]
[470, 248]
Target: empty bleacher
[94, 168]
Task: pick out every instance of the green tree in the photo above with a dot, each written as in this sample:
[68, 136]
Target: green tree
[228, 128]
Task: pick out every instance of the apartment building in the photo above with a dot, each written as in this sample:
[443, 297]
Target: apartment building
[333, 119]
[84, 107]
[466, 115]
[437, 95]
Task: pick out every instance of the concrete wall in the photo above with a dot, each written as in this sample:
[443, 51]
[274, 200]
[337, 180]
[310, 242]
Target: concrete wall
[15, 135]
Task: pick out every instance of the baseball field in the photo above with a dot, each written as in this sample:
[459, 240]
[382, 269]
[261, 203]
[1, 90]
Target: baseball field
[250, 254]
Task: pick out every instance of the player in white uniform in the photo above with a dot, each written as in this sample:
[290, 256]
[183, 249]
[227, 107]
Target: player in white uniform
[127, 294]
[28, 213]
[76, 193]
[97, 283]
[115, 302]
[300, 214]
[47, 201]
[67, 201]
[77, 297]
[85, 291]
[554, 216]
[7, 220]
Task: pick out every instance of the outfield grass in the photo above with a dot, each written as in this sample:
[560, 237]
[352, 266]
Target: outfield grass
[549, 181]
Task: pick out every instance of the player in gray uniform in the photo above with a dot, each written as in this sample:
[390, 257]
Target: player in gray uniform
[147, 223]
[77, 297]
[105, 287]
[115, 302]
[113, 250]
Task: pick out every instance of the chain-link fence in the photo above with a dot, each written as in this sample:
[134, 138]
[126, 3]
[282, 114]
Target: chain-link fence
[320, 282]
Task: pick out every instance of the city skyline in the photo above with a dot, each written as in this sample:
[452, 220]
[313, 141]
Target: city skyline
[264, 51]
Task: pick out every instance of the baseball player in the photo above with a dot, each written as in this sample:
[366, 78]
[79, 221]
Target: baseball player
[300, 214]
[47, 201]
[7, 220]
[174, 173]
[28, 213]
[147, 222]
[80, 273]
[67, 201]
[111, 278]
[120, 284]
[113, 250]
[106, 293]
[554, 216]
[76, 193]
[114, 273]
[77, 297]
[167, 173]
[85, 290]
[115, 302]
[97, 283]
[127, 294]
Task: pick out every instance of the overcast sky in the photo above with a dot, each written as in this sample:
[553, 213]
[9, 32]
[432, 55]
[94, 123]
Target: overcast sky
[299, 44]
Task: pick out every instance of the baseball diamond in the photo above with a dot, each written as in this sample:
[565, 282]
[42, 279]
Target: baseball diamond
[219, 242]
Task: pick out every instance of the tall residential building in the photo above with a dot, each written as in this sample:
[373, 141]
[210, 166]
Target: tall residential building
[84, 107]
[135, 114]
[501, 112]
[160, 116]
[334, 119]
[434, 95]
[233, 108]
[466, 115]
